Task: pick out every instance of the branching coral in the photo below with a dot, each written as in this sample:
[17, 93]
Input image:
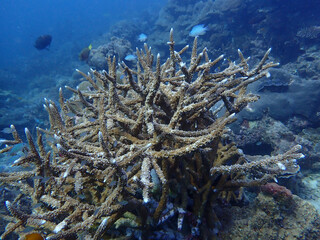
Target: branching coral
[130, 153]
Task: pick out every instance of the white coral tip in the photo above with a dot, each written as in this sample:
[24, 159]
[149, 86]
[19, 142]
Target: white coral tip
[59, 227]
[41, 222]
[16, 161]
[268, 75]
[104, 221]
[8, 204]
[26, 130]
[65, 174]
[281, 166]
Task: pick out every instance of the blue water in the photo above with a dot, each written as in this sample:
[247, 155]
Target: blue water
[27, 75]
[77, 22]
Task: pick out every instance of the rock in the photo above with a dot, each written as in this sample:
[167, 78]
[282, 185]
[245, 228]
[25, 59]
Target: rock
[266, 218]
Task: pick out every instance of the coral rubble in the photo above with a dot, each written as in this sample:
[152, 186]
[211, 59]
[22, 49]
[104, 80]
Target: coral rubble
[139, 148]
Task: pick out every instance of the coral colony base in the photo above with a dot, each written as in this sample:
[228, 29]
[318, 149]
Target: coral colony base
[142, 155]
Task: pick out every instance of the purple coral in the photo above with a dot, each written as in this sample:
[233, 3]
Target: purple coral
[278, 192]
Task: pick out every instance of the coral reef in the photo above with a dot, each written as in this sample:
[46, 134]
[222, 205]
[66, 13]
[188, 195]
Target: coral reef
[299, 81]
[243, 23]
[279, 81]
[309, 32]
[129, 156]
[249, 25]
[280, 193]
[116, 47]
[310, 189]
[267, 218]
[264, 134]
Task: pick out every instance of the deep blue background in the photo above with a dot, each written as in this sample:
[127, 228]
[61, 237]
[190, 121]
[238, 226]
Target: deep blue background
[77, 21]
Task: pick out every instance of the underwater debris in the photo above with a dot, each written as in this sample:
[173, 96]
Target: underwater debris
[156, 121]
[43, 42]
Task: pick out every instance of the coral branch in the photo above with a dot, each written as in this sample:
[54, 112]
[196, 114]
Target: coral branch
[127, 154]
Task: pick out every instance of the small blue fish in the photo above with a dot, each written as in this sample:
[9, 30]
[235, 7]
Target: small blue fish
[130, 58]
[83, 162]
[142, 37]
[19, 150]
[123, 203]
[96, 211]
[82, 196]
[198, 30]
[83, 134]
[70, 114]
[113, 183]
[7, 130]
[37, 177]
[38, 205]
[92, 119]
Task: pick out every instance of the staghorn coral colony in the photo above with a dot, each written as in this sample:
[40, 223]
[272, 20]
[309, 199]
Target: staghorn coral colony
[139, 150]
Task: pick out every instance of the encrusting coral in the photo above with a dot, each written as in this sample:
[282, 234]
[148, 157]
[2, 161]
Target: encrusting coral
[133, 152]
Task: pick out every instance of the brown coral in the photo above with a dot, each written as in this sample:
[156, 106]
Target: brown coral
[141, 150]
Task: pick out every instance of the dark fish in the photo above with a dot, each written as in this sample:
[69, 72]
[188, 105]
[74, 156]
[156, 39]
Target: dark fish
[84, 54]
[43, 42]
